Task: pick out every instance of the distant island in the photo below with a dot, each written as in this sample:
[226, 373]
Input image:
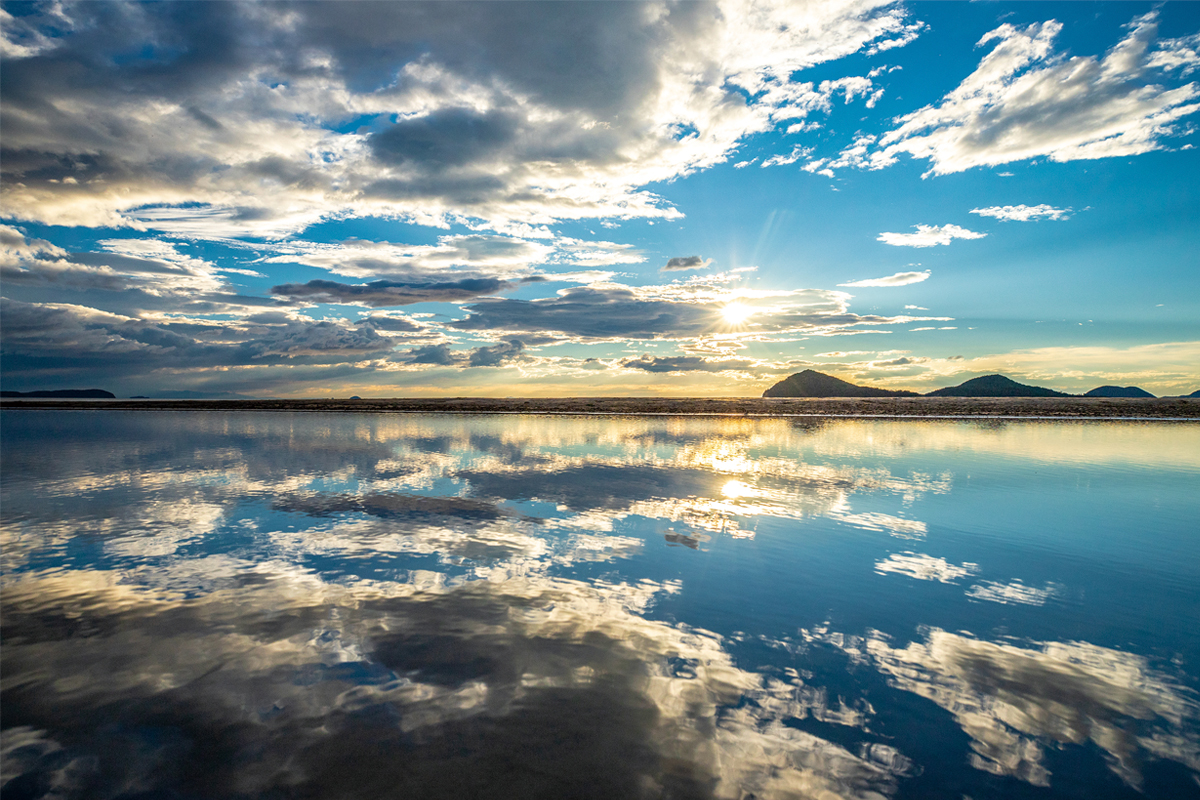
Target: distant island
[811, 383]
[817, 384]
[1118, 391]
[75, 394]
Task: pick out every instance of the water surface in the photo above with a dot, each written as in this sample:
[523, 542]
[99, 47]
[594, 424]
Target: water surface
[261, 604]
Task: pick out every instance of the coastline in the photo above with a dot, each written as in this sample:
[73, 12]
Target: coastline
[890, 407]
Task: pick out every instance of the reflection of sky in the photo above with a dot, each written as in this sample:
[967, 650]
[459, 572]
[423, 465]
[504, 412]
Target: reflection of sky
[313, 589]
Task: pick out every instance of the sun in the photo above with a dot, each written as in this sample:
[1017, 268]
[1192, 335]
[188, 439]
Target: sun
[736, 313]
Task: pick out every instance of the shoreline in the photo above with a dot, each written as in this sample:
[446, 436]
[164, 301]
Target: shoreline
[1099, 408]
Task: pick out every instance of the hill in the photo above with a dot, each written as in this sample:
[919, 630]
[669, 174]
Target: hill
[1118, 391]
[994, 386]
[810, 383]
[64, 393]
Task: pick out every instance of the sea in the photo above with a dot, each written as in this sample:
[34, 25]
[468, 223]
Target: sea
[342, 605]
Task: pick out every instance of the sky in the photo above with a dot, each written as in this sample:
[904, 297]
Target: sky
[415, 199]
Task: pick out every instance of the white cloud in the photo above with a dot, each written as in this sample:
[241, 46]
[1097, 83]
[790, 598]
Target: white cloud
[928, 236]
[798, 152]
[1023, 213]
[476, 115]
[1025, 100]
[899, 279]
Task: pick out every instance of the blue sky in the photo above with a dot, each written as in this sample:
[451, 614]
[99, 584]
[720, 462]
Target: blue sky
[391, 199]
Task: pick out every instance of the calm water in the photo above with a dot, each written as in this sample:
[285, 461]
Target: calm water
[282, 605]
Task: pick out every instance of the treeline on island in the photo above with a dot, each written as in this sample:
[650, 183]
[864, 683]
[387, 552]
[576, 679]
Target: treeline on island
[811, 383]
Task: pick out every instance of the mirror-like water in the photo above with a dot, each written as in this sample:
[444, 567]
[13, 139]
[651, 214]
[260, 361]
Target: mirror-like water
[338, 605]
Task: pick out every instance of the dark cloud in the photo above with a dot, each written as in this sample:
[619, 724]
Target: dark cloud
[592, 313]
[650, 363]
[382, 294]
[42, 343]
[438, 354]
[447, 138]
[687, 262]
[496, 355]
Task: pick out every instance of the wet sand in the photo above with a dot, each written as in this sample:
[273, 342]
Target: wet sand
[968, 407]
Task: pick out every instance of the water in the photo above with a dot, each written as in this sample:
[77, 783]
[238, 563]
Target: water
[274, 605]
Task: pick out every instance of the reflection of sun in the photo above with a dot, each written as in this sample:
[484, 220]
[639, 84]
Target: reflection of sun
[736, 313]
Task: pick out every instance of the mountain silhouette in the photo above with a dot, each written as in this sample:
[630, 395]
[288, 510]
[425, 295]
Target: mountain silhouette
[64, 393]
[810, 383]
[1118, 391]
[994, 386]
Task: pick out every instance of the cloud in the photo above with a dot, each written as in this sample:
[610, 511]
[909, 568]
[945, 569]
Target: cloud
[899, 279]
[687, 262]
[689, 310]
[380, 294]
[496, 355]
[474, 254]
[45, 341]
[798, 152]
[928, 236]
[1023, 213]
[649, 363]
[1025, 100]
[227, 119]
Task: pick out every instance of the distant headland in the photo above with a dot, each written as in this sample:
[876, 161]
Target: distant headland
[66, 394]
[811, 383]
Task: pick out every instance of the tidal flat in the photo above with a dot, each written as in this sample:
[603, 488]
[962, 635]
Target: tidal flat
[262, 604]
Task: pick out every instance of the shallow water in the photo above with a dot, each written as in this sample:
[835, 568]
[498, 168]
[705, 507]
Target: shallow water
[352, 605]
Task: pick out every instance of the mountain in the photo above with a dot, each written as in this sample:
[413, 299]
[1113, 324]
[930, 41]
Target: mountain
[62, 393]
[1118, 391]
[994, 386]
[1195, 394]
[817, 384]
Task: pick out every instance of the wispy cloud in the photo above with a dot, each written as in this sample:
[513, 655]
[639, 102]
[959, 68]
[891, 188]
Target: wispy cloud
[929, 236]
[1023, 213]
[1025, 100]
[899, 279]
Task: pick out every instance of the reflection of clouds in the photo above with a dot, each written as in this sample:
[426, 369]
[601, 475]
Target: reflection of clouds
[1012, 701]
[874, 521]
[553, 685]
[924, 567]
[1015, 593]
[161, 527]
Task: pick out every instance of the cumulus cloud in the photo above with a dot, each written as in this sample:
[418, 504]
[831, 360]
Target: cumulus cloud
[687, 262]
[899, 279]
[1026, 100]
[1023, 213]
[928, 236]
[221, 119]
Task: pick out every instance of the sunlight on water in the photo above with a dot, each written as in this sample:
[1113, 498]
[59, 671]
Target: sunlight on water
[329, 605]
